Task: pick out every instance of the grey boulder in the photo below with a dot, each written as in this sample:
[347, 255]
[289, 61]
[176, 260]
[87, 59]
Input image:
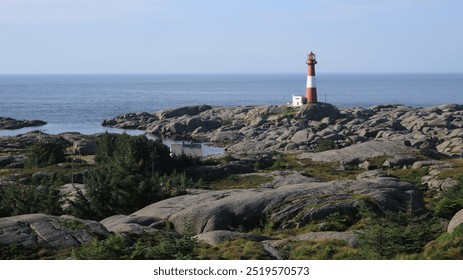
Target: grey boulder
[285, 205]
[361, 152]
[84, 147]
[455, 221]
[317, 112]
[49, 231]
[131, 224]
[181, 111]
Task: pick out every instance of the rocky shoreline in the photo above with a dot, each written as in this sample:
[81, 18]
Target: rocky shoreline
[318, 161]
[10, 123]
[283, 128]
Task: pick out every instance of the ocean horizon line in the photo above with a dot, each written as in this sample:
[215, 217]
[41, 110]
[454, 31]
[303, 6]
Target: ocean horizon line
[229, 73]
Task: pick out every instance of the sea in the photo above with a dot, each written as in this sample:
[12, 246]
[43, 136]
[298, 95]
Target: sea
[81, 102]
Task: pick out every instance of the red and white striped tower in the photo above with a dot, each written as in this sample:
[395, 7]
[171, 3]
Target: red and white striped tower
[311, 89]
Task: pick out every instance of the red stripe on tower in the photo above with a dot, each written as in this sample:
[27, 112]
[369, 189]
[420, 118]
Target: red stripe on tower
[311, 89]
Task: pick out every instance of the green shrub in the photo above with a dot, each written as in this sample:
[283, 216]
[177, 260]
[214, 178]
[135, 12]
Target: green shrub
[338, 221]
[20, 199]
[239, 249]
[115, 247]
[108, 194]
[392, 234]
[325, 145]
[451, 203]
[14, 251]
[156, 246]
[133, 172]
[323, 250]
[46, 153]
[449, 246]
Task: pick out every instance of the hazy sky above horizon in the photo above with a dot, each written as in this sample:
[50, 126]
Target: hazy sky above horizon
[207, 36]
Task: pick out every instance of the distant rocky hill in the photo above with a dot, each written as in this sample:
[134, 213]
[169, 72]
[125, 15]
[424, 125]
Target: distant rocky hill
[9, 123]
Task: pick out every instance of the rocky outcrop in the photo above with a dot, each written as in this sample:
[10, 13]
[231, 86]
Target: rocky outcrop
[19, 143]
[219, 171]
[361, 152]
[69, 192]
[6, 160]
[14, 149]
[9, 123]
[456, 221]
[181, 111]
[400, 161]
[84, 147]
[132, 224]
[283, 128]
[49, 231]
[433, 179]
[318, 112]
[284, 205]
[40, 230]
[130, 121]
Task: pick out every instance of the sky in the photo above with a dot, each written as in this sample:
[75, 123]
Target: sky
[233, 36]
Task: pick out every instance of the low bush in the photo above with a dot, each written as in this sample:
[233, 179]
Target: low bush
[132, 172]
[325, 145]
[389, 235]
[21, 199]
[156, 246]
[323, 250]
[239, 249]
[449, 246]
[46, 153]
[451, 203]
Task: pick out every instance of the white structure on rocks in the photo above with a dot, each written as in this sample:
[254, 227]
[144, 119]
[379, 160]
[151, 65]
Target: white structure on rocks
[298, 100]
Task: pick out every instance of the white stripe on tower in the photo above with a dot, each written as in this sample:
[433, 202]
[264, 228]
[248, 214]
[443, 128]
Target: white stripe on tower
[311, 82]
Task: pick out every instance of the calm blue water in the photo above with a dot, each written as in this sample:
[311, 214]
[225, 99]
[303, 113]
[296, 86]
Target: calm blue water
[81, 102]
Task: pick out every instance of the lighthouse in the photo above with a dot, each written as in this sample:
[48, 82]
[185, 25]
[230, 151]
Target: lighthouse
[311, 88]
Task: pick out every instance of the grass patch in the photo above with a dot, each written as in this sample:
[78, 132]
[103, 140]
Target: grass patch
[325, 171]
[7, 171]
[323, 250]
[455, 172]
[73, 224]
[378, 161]
[286, 162]
[239, 249]
[236, 182]
[18, 252]
[288, 112]
[451, 202]
[448, 246]
[61, 173]
[412, 176]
